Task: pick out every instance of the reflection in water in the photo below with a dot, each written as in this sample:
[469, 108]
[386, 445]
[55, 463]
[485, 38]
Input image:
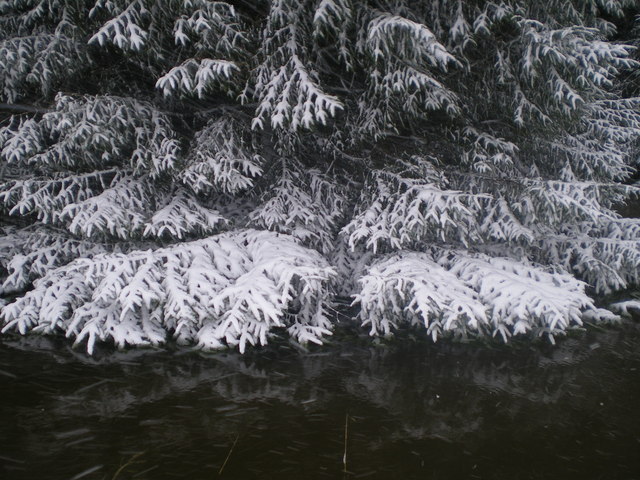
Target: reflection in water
[416, 410]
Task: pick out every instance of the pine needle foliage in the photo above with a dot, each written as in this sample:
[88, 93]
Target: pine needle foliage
[231, 289]
[220, 171]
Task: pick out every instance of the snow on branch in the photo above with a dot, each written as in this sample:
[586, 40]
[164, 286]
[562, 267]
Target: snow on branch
[331, 15]
[560, 70]
[460, 293]
[574, 51]
[392, 35]
[183, 215]
[350, 265]
[210, 37]
[417, 90]
[600, 145]
[213, 27]
[412, 207]
[21, 16]
[460, 32]
[604, 254]
[589, 158]
[221, 159]
[232, 289]
[292, 97]
[47, 197]
[38, 61]
[331, 22]
[521, 297]
[29, 253]
[125, 29]
[93, 132]
[488, 153]
[119, 210]
[628, 308]
[411, 287]
[288, 90]
[503, 225]
[197, 77]
[556, 203]
[304, 204]
[617, 119]
[405, 75]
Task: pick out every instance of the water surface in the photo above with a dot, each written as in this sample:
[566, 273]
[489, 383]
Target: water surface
[413, 410]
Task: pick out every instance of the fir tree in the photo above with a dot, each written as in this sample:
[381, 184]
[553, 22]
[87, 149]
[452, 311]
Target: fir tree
[452, 164]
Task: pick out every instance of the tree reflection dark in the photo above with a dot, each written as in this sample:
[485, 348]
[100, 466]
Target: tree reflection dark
[416, 410]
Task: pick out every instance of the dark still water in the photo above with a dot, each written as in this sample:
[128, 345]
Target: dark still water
[416, 411]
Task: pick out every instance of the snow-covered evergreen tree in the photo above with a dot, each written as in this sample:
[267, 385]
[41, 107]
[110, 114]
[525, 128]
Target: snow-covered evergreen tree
[457, 165]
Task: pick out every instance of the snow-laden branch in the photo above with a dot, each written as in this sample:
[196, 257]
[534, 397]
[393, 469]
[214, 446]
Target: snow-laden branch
[293, 97]
[210, 26]
[412, 287]
[460, 293]
[94, 131]
[332, 21]
[30, 253]
[605, 254]
[412, 209]
[41, 61]
[120, 210]
[125, 29]
[232, 289]
[183, 216]
[389, 35]
[405, 62]
[222, 159]
[307, 205]
[47, 197]
[197, 77]
[287, 87]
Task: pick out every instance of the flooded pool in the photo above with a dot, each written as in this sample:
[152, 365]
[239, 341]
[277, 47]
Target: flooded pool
[400, 410]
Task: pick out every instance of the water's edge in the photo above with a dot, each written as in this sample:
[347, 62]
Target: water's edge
[415, 410]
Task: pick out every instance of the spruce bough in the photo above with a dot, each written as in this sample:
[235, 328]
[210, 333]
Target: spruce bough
[218, 172]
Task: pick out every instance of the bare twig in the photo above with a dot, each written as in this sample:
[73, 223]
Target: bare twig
[346, 438]
[228, 455]
[125, 465]
[17, 107]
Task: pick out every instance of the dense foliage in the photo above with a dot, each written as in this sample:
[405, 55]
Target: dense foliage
[452, 164]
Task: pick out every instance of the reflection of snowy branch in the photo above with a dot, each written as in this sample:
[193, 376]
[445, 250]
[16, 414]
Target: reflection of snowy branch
[449, 393]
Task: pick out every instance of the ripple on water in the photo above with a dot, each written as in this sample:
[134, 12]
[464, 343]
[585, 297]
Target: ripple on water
[411, 410]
